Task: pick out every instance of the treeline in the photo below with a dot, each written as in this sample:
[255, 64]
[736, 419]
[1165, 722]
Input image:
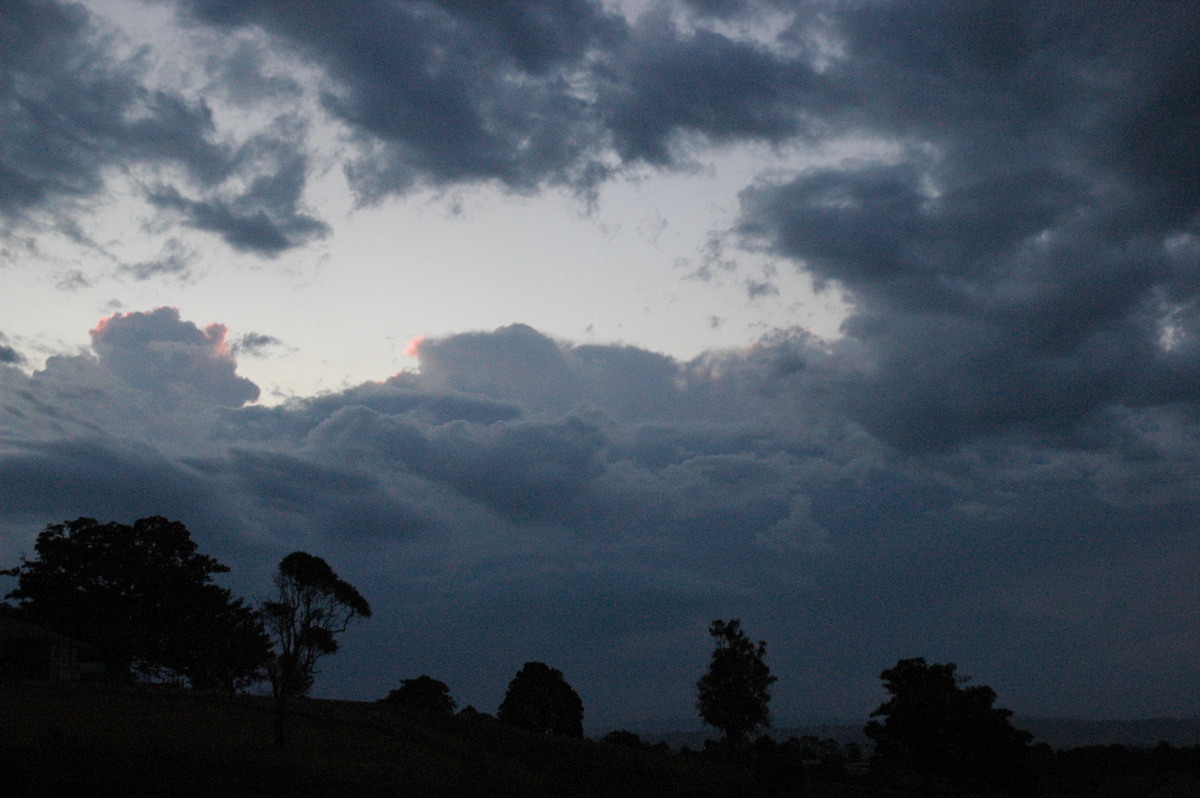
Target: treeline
[141, 600]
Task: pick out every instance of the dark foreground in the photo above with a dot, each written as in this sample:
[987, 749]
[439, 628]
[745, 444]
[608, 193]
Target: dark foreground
[99, 740]
[82, 740]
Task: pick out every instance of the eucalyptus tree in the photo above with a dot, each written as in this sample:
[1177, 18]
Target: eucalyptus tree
[311, 607]
[734, 692]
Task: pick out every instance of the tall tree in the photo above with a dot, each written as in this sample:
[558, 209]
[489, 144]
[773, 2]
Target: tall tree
[938, 735]
[143, 599]
[733, 693]
[539, 698]
[310, 608]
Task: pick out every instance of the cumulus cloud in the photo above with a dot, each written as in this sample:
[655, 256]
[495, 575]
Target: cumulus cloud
[1007, 266]
[623, 500]
[157, 352]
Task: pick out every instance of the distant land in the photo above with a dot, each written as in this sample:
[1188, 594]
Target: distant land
[1058, 733]
[1072, 733]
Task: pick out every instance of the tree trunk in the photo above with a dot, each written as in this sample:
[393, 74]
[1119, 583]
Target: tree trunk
[281, 701]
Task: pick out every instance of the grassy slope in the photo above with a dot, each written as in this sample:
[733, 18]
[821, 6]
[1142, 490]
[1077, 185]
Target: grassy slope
[94, 740]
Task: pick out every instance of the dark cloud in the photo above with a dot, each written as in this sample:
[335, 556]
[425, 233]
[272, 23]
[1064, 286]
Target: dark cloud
[756, 289]
[1009, 270]
[156, 352]
[72, 280]
[176, 261]
[70, 111]
[8, 355]
[669, 89]
[445, 92]
[514, 363]
[266, 218]
[598, 507]
[341, 505]
[91, 475]
[1053, 114]
[723, 8]
[243, 75]
[530, 93]
[253, 344]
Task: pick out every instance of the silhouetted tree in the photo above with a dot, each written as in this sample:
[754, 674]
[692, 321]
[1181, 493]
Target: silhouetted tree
[937, 735]
[229, 650]
[734, 691]
[422, 693]
[143, 600]
[311, 607]
[540, 699]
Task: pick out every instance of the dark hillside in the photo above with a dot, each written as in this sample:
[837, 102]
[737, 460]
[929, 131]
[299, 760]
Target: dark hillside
[100, 740]
[104, 740]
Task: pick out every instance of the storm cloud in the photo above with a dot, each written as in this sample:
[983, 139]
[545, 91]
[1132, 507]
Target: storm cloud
[74, 111]
[993, 463]
[1015, 265]
[600, 521]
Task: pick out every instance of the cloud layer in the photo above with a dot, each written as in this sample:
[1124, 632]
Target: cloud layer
[520, 497]
[994, 464]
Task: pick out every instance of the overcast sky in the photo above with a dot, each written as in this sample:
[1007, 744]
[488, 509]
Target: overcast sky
[561, 328]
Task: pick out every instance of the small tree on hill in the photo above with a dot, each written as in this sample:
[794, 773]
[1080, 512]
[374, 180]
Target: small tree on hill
[937, 735]
[540, 699]
[734, 691]
[311, 607]
[423, 693]
[143, 599]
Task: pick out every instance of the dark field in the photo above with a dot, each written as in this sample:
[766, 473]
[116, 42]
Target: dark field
[144, 740]
[77, 740]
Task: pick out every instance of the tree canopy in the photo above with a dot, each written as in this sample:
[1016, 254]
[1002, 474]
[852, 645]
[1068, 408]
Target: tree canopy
[540, 699]
[310, 608]
[937, 734]
[734, 691]
[142, 598]
[423, 693]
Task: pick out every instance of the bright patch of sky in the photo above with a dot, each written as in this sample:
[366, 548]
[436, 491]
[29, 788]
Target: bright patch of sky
[650, 261]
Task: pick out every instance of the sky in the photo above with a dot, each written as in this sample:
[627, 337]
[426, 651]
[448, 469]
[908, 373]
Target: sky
[561, 328]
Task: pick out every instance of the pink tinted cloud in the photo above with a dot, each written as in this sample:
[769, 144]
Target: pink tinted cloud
[157, 352]
[414, 346]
